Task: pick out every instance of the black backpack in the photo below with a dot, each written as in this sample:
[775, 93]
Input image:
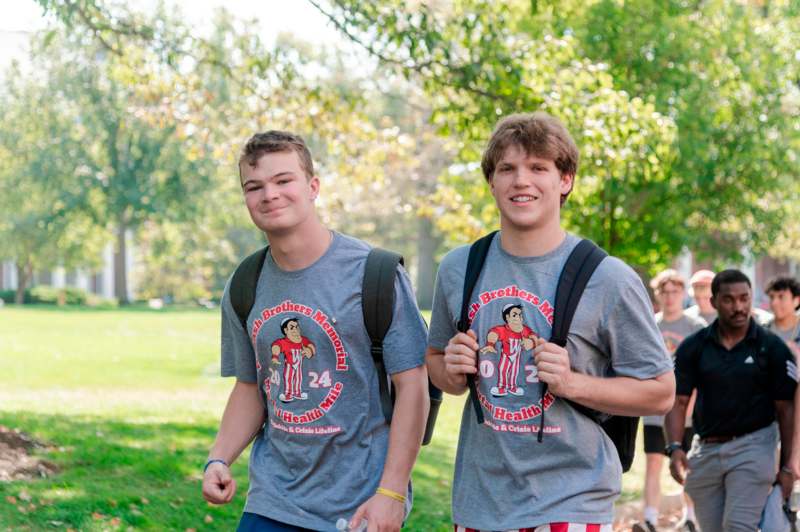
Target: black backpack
[377, 302]
[577, 271]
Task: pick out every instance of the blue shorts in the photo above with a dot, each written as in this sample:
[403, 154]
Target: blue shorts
[258, 523]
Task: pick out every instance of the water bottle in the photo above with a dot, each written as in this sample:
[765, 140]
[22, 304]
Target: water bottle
[343, 524]
[794, 498]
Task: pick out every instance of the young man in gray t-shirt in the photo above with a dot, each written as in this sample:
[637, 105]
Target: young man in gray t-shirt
[614, 361]
[306, 385]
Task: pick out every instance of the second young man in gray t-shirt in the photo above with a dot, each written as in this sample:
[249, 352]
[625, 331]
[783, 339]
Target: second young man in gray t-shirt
[306, 385]
[614, 362]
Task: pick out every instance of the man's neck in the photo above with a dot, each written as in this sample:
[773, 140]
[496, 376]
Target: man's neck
[533, 242]
[787, 322]
[706, 309]
[301, 246]
[672, 315]
[730, 336]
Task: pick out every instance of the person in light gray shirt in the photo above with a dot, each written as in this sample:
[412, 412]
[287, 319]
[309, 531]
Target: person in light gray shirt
[306, 386]
[614, 362]
[784, 300]
[675, 325]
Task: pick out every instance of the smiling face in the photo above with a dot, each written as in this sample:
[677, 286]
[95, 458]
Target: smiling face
[278, 193]
[528, 190]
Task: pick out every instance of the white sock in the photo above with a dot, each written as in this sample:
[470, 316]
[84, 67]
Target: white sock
[651, 514]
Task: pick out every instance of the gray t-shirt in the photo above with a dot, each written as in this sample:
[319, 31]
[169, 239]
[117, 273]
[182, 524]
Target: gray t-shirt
[674, 333]
[790, 336]
[504, 478]
[322, 452]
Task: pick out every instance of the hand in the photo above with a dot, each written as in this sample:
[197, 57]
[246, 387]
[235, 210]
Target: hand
[552, 362]
[218, 484]
[786, 481]
[488, 349]
[679, 466]
[275, 363]
[461, 357]
[307, 352]
[383, 514]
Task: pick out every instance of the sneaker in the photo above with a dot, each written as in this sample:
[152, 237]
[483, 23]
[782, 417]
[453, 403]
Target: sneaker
[303, 395]
[498, 392]
[516, 391]
[285, 399]
[644, 526]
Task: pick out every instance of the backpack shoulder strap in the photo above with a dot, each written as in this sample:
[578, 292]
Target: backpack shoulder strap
[578, 269]
[377, 303]
[580, 266]
[244, 282]
[477, 256]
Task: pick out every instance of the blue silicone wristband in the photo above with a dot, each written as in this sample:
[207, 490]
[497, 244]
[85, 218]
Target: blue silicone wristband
[214, 461]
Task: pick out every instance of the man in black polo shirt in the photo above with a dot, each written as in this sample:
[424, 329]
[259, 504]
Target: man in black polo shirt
[745, 378]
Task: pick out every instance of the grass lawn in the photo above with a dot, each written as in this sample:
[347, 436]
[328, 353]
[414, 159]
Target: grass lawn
[129, 402]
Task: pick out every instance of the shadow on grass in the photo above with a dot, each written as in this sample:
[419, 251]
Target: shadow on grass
[120, 475]
[116, 474]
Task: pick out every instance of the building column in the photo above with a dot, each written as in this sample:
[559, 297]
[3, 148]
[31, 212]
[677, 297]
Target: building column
[59, 277]
[107, 273]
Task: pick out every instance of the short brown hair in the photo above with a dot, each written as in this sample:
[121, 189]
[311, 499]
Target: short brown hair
[274, 141]
[667, 276]
[539, 134]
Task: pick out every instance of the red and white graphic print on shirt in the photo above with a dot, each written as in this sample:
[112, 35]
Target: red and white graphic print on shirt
[300, 384]
[672, 340]
[294, 347]
[506, 349]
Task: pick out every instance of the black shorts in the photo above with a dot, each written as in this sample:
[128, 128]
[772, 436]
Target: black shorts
[655, 442]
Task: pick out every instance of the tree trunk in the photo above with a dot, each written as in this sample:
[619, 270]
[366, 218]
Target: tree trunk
[24, 273]
[121, 266]
[427, 243]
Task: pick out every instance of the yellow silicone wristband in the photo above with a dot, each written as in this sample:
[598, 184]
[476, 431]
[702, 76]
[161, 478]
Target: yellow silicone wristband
[392, 494]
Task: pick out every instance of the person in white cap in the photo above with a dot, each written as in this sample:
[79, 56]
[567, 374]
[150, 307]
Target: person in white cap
[700, 290]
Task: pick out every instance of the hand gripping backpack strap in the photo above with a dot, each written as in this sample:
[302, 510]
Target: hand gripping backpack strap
[377, 303]
[243, 285]
[578, 269]
[477, 256]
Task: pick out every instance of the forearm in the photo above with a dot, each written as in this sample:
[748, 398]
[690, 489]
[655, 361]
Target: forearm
[784, 411]
[434, 360]
[408, 426]
[624, 396]
[675, 422]
[243, 417]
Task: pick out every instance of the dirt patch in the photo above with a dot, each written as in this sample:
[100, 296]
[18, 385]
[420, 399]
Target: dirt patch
[629, 513]
[16, 461]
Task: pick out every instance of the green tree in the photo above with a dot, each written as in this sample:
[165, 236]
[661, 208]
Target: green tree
[46, 207]
[667, 118]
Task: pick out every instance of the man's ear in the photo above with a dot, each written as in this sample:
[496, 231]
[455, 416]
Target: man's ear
[314, 184]
[567, 182]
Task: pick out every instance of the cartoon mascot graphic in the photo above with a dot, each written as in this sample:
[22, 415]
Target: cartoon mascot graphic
[294, 347]
[514, 337]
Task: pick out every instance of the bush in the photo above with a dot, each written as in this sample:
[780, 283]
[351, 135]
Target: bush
[44, 295]
[48, 295]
